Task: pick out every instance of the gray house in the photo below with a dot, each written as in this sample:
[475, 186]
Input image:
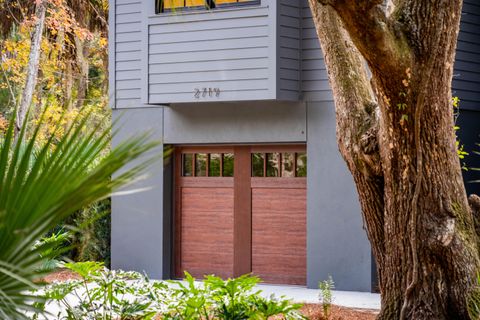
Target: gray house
[255, 184]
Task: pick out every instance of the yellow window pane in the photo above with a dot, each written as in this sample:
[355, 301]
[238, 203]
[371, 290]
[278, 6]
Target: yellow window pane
[195, 3]
[225, 1]
[171, 4]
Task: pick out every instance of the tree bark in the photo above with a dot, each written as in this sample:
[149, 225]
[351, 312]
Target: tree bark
[81, 48]
[395, 133]
[33, 64]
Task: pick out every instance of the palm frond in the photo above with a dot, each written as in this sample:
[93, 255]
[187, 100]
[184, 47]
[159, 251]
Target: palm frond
[41, 185]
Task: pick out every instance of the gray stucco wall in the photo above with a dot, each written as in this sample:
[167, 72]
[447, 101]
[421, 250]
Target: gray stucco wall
[247, 122]
[137, 219]
[336, 243]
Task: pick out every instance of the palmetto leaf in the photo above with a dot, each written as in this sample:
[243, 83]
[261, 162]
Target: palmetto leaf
[40, 185]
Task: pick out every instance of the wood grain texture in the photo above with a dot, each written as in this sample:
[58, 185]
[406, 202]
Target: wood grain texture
[243, 213]
[279, 235]
[207, 231]
[230, 226]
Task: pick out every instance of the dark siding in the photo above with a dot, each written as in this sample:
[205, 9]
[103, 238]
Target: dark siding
[466, 81]
[469, 136]
[289, 48]
[315, 84]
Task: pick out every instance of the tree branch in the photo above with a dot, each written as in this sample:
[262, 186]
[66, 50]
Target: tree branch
[379, 39]
[356, 112]
[422, 18]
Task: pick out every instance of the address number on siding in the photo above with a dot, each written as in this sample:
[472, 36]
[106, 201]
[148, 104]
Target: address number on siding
[206, 93]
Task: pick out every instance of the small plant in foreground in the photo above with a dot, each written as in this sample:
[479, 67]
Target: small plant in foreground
[102, 294]
[326, 288]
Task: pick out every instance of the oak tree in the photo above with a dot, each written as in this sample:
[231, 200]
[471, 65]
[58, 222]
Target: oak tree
[390, 67]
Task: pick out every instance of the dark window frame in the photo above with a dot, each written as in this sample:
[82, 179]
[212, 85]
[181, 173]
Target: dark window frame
[265, 156]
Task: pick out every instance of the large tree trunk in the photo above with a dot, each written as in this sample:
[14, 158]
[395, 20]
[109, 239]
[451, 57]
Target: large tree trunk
[33, 64]
[396, 134]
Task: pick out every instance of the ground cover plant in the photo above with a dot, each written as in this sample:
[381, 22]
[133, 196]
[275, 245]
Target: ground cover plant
[105, 294]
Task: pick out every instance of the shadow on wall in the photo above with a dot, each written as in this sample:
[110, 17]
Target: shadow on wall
[469, 135]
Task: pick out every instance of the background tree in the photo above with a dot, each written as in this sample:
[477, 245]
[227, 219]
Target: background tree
[33, 64]
[395, 132]
[72, 78]
[72, 53]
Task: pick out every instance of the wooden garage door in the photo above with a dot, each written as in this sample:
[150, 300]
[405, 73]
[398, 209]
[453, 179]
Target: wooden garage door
[204, 204]
[242, 210]
[279, 214]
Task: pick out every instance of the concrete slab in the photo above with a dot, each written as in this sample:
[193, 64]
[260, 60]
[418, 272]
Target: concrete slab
[350, 299]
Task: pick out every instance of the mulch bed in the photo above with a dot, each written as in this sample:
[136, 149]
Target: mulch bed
[312, 310]
[60, 275]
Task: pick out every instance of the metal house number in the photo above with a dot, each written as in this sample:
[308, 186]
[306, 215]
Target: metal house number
[206, 92]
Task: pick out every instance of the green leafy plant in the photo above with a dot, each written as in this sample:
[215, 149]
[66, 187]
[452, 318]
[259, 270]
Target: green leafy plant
[326, 297]
[105, 295]
[102, 294]
[43, 183]
[236, 299]
[55, 245]
[186, 301]
[459, 146]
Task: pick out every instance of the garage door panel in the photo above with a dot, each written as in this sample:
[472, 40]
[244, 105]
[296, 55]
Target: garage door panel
[232, 219]
[279, 235]
[207, 231]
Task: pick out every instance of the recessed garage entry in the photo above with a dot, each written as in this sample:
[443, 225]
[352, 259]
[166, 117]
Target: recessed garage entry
[241, 209]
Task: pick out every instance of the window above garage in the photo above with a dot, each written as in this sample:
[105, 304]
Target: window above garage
[173, 5]
[207, 164]
[279, 164]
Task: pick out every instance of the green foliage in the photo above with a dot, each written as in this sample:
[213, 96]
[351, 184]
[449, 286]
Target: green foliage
[90, 236]
[326, 288]
[102, 294]
[460, 147]
[41, 184]
[231, 299]
[54, 246]
[105, 295]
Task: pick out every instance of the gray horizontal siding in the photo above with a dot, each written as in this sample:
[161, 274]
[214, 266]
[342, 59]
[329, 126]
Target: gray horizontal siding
[466, 80]
[314, 78]
[288, 49]
[128, 53]
[229, 50]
